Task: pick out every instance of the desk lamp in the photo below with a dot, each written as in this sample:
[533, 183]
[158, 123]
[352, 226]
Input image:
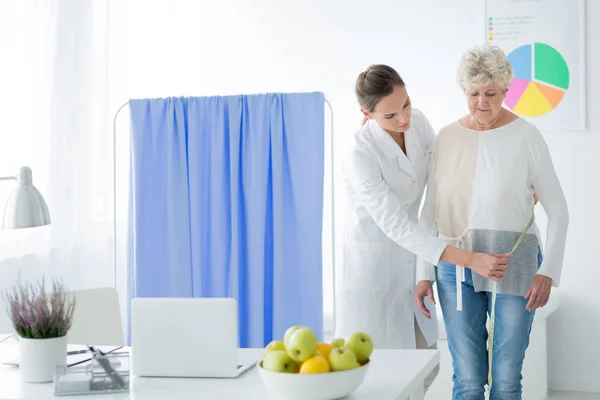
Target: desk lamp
[25, 208]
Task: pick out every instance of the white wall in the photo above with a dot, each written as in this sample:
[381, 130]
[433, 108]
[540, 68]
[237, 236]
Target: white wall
[235, 46]
[574, 332]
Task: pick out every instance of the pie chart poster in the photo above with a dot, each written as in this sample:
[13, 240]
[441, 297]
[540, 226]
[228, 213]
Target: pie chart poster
[545, 42]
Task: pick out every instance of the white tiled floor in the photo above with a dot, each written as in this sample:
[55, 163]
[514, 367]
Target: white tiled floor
[442, 387]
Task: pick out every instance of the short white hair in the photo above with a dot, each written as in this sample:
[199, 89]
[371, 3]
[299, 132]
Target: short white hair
[482, 65]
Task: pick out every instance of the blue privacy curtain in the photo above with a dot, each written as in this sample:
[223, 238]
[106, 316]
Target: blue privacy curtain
[226, 201]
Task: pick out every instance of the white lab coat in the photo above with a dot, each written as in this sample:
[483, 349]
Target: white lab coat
[384, 189]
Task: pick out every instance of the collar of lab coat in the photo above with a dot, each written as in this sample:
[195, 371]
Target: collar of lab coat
[390, 148]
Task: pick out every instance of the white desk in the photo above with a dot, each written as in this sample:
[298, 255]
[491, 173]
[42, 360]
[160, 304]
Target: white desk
[393, 375]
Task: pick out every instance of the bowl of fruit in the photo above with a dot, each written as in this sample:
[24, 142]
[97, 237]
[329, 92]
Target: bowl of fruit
[301, 368]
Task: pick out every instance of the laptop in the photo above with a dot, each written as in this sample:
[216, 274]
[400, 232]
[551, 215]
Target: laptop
[185, 337]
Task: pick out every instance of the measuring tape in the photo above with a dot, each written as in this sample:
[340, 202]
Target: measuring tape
[493, 312]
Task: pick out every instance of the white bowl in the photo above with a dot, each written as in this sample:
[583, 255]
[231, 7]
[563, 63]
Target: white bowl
[325, 386]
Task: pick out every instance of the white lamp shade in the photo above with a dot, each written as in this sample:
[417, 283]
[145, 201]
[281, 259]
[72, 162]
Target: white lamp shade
[26, 208]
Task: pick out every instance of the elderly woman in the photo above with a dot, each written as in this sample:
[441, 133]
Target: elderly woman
[487, 166]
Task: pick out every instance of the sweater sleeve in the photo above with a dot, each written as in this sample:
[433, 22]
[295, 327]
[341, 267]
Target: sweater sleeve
[550, 194]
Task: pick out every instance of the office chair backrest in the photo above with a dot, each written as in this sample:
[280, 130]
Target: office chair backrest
[97, 318]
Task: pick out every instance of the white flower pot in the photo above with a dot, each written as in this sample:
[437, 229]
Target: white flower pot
[40, 357]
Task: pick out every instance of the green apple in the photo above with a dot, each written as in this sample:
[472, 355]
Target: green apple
[342, 359]
[274, 345]
[362, 346]
[302, 345]
[337, 342]
[278, 361]
[290, 331]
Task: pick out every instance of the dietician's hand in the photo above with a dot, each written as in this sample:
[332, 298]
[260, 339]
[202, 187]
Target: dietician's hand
[491, 266]
[424, 289]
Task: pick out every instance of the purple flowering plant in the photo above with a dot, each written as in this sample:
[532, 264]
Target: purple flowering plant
[37, 314]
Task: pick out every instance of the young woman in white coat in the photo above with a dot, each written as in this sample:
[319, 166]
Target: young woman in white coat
[385, 174]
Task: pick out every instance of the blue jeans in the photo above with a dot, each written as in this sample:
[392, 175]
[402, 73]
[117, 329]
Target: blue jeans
[467, 338]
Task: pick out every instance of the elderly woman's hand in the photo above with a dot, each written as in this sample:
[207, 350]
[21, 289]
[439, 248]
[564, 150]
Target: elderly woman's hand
[539, 292]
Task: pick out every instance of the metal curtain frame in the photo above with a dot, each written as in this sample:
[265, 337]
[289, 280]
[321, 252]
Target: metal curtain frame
[332, 183]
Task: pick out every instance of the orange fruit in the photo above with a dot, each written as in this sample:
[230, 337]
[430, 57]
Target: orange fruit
[315, 365]
[324, 349]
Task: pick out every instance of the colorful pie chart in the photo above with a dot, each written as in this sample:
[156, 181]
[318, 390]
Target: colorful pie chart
[541, 78]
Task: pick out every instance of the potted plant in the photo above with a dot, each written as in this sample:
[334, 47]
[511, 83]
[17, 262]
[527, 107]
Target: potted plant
[42, 320]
